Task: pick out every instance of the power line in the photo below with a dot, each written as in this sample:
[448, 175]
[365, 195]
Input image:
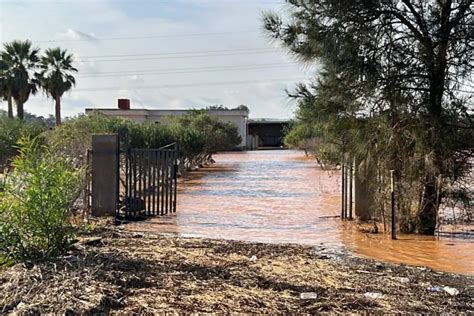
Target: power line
[173, 86]
[181, 69]
[185, 71]
[179, 57]
[180, 53]
[93, 39]
[180, 72]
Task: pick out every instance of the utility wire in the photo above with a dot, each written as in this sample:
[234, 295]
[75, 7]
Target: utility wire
[178, 57]
[180, 53]
[179, 72]
[93, 39]
[184, 71]
[173, 86]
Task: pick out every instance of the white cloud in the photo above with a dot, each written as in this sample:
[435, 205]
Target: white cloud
[77, 36]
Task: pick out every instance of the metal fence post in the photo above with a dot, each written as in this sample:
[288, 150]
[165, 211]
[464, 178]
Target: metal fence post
[351, 180]
[392, 193]
[343, 194]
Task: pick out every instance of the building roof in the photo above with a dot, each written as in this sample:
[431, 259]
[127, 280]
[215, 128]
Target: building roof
[165, 112]
[267, 121]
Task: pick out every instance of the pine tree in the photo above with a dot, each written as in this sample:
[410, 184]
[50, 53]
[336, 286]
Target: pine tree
[400, 70]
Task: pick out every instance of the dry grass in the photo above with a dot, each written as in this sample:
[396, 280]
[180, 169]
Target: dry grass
[126, 272]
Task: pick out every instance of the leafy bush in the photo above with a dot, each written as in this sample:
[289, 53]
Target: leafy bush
[73, 137]
[11, 130]
[201, 135]
[35, 204]
[198, 135]
[218, 135]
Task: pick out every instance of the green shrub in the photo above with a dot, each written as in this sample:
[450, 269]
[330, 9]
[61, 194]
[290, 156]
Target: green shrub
[35, 204]
[198, 135]
[11, 130]
[74, 136]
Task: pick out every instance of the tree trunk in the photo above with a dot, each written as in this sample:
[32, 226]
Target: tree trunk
[438, 65]
[429, 208]
[10, 105]
[364, 191]
[58, 110]
[427, 215]
[20, 112]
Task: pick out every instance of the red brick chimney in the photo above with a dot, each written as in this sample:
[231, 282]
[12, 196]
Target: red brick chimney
[124, 104]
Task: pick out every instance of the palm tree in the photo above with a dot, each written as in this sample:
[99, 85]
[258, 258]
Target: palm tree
[56, 76]
[22, 61]
[6, 86]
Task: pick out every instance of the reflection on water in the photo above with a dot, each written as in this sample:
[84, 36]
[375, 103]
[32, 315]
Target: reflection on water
[282, 197]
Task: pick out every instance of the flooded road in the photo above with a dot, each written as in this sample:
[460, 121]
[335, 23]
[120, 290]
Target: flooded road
[280, 196]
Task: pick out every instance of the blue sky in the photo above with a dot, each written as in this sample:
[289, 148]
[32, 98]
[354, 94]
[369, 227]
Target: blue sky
[161, 53]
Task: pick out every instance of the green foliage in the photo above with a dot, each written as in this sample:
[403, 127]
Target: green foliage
[198, 135]
[35, 204]
[23, 71]
[55, 76]
[11, 131]
[19, 60]
[299, 134]
[220, 107]
[217, 107]
[73, 138]
[217, 135]
[391, 94]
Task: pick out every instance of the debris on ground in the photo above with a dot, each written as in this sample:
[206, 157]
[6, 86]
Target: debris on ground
[90, 241]
[451, 291]
[404, 280]
[373, 295]
[308, 296]
[121, 273]
[435, 289]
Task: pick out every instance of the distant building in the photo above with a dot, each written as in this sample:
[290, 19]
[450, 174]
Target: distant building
[265, 133]
[237, 117]
[255, 133]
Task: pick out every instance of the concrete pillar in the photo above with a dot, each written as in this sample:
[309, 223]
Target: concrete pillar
[364, 194]
[243, 132]
[105, 174]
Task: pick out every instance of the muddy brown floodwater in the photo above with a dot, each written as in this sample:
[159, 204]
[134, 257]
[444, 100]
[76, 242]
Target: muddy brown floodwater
[280, 196]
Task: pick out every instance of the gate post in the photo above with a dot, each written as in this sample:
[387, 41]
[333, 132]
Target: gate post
[105, 174]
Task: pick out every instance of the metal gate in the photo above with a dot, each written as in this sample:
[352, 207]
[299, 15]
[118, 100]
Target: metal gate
[150, 182]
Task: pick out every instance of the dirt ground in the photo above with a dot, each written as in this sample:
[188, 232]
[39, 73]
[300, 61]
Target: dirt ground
[112, 270]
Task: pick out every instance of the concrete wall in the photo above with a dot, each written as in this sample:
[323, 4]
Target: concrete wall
[237, 117]
[105, 173]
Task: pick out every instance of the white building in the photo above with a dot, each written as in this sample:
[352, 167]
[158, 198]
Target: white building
[237, 117]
